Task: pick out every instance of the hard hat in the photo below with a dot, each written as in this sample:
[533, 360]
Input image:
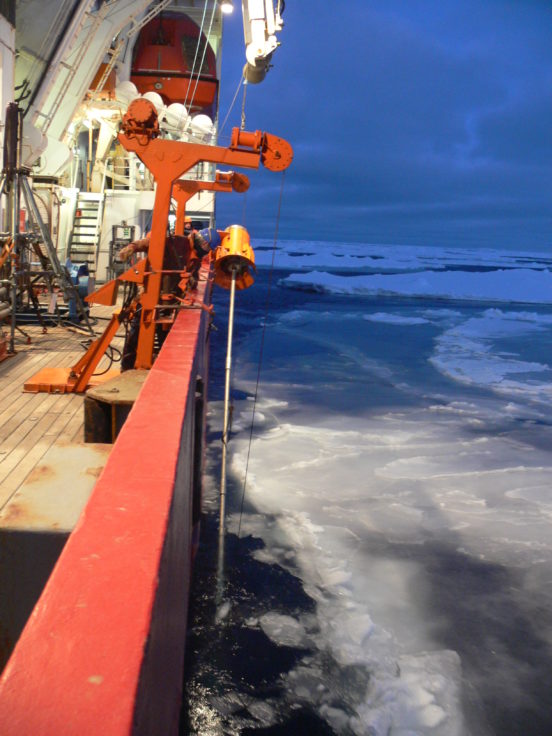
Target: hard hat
[211, 236]
[187, 220]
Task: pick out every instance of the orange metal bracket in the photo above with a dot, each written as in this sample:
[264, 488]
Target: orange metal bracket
[107, 294]
[80, 376]
[86, 366]
[184, 190]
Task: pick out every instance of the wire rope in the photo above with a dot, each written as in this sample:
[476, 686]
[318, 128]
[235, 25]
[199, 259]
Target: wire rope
[232, 104]
[202, 57]
[242, 126]
[196, 53]
[244, 210]
[261, 350]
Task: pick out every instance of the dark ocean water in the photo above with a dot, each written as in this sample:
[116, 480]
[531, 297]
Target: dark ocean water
[229, 666]
[443, 554]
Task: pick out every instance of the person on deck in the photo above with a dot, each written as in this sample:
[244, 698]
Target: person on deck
[182, 253]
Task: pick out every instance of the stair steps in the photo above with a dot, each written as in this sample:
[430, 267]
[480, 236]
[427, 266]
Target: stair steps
[83, 245]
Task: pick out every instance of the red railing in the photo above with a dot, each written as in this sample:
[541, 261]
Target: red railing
[103, 650]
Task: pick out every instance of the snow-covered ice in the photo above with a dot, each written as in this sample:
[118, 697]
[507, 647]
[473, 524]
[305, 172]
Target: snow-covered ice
[400, 466]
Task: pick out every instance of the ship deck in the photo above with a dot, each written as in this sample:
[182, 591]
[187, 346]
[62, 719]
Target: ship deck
[33, 423]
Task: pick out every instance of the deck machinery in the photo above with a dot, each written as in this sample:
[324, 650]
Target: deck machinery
[168, 161]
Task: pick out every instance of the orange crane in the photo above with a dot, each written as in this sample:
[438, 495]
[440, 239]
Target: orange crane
[168, 161]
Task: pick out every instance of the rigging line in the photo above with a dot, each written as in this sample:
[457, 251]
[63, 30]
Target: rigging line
[196, 53]
[244, 208]
[261, 350]
[243, 104]
[204, 53]
[232, 104]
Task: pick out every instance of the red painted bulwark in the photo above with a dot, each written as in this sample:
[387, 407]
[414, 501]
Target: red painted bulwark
[103, 650]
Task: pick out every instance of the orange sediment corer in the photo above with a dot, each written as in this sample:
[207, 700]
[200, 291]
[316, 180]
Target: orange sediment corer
[234, 255]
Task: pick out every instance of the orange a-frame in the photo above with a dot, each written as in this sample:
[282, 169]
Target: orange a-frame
[168, 161]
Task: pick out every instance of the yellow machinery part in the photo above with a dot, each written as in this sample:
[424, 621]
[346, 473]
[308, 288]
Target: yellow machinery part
[234, 255]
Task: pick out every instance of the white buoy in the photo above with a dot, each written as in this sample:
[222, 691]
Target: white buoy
[125, 92]
[202, 126]
[156, 100]
[176, 117]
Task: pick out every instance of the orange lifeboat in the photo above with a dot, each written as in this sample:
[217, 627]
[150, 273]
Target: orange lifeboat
[163, 62]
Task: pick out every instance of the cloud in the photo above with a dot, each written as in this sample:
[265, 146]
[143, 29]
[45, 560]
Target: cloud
[420, 122]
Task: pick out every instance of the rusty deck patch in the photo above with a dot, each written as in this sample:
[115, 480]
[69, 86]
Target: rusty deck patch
[54, 494]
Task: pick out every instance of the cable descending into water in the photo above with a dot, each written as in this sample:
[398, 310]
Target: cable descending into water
[225, 433]
[261, 350]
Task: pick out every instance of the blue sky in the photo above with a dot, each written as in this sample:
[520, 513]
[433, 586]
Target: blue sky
[427, 122]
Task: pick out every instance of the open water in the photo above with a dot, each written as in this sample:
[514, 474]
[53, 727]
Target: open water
[389, 556]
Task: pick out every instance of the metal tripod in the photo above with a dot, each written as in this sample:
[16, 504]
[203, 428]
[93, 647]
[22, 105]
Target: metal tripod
[15, 184]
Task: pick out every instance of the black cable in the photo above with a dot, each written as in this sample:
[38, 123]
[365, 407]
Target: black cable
[114, 355]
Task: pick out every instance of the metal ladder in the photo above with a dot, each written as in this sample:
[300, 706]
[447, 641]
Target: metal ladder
[84, 241]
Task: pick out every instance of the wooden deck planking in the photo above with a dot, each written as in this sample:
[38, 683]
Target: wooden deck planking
[74, 429]
[22, 423]
[17, 404]
[29, 457]
[31, 423]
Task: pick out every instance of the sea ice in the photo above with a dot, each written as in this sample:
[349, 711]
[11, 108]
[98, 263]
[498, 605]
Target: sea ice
[283, 630]
[222, 611]
[369, 257]
[395, 319]
[528, 286]
[465, 353]
[417, 517]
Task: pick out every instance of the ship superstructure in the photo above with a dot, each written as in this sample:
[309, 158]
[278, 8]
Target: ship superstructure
[79, 65]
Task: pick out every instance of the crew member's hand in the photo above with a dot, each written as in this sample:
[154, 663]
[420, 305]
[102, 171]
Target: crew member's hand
[126, 252]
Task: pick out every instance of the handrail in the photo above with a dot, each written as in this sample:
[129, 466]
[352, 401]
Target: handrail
[103, 650]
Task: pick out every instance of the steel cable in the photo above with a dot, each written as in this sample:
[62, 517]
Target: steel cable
[231, 104]
[196, 53]
[202, 57]
[261, 350]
